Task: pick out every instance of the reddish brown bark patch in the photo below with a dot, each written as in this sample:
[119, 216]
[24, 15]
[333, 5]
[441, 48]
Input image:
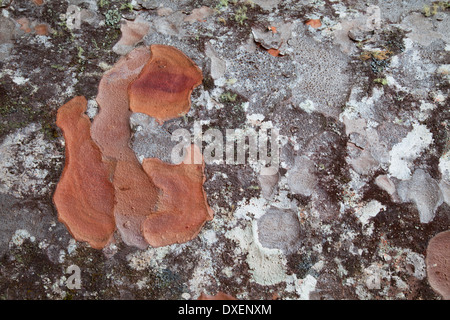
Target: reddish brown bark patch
[84, 196]
[438, 264]
[165, 84]
[136, 194]
[182, 204]
[111, 126]
[158, 203]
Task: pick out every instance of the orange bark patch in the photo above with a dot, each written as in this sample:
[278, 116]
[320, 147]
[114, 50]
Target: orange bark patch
[157, 203]
[38, 2]
[315, 23]
[84, 196]
[111, 127]
[136, 194]
[182, 205]
[165, 84]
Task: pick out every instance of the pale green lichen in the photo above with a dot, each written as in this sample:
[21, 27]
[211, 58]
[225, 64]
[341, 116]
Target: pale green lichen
[241, 14]
[431, 10]
[112, 18]
[228, 97]
[382, 81]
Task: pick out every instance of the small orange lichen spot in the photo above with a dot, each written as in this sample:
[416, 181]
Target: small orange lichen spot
[84, 196]
[38, 2]
[273, 29]
[165, 84]
[218, 296]
[182, 205]
[315, 23]
[274, 52]
[24, 24]
[41, 29]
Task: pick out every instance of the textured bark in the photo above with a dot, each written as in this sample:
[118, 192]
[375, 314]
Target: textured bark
[136, 194]
[84, 196]
[182, 205]
[165, 84]
[155, 203]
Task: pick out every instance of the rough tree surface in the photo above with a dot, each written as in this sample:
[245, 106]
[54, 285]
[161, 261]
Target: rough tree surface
[357, 90]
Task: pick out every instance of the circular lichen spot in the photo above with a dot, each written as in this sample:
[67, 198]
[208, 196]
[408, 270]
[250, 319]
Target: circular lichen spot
[279, 229]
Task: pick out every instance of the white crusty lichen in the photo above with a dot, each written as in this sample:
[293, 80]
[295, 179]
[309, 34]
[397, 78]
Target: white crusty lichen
[209, 236]
[307, 106]
[267, 265]
[370, 210]
[150, 258]
[359, 106]
[27, 149]
[416, 262]
[19, 237]
[203, 274]
[307, 286]
[406, 151]
[444, 166]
